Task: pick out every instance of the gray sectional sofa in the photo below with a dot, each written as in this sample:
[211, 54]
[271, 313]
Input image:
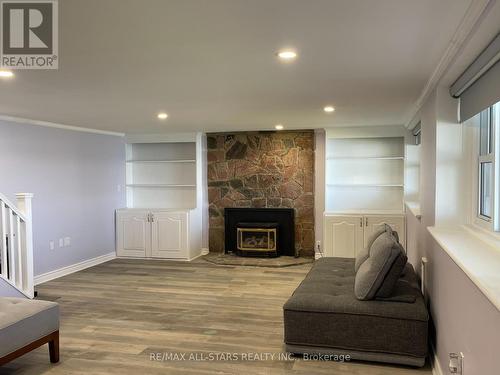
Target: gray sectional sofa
[324, 316]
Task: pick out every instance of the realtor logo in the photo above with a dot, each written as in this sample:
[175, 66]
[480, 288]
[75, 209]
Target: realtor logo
[29, 37]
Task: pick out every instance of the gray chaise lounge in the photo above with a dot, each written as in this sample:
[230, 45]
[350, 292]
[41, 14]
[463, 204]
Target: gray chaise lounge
[27, 324]
[324, 316]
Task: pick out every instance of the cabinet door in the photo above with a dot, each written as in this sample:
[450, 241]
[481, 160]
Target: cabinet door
[169, 235]
[396, 222]
[343, 236]
[133, 234]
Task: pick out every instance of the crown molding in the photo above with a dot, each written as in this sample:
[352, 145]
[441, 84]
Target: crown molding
[58, 126]
[473, 16]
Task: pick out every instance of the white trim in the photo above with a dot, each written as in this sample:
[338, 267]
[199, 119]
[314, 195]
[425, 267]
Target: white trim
[161, 138]
[436, 367]
[204, 251]
[317, 255]
[473, 16]
[58, 126]
[476, 254]
[163, 259]
[195, 257]
[51, 275]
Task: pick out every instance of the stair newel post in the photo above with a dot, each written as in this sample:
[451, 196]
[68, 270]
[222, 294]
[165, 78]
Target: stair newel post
[24, 203]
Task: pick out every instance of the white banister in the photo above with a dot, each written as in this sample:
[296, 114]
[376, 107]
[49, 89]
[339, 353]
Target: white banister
[16, 243]
[25, 206]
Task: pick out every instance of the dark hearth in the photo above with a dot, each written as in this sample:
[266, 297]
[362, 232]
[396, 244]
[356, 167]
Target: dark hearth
[260, 231]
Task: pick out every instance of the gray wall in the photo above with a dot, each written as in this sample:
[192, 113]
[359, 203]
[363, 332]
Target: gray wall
[7, 290]
[75, 177]
[464, 319]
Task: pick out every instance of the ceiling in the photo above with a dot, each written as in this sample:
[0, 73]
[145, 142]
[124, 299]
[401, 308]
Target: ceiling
[211, 65]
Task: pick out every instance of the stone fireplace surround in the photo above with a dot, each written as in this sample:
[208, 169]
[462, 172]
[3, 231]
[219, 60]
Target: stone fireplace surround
[262, 170]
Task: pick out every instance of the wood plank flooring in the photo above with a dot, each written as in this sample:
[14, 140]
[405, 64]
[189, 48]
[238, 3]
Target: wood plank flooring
[115, 315]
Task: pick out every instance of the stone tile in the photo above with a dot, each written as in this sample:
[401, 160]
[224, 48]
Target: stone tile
[272, 169]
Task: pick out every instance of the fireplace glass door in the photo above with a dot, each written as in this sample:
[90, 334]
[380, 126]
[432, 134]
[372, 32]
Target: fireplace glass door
[256, 239]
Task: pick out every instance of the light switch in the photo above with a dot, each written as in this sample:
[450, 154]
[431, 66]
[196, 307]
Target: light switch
[52, 246]
[61, 242]
[67, 241]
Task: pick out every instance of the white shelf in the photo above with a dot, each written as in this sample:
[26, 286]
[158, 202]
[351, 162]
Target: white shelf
[364, 174]
[366, 185]
[162, 161]
[160, 186]
[366, 158]
[364, 212]
[364, 148]
[161, 175]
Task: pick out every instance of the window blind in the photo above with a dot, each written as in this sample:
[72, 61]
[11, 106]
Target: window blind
[479, 85]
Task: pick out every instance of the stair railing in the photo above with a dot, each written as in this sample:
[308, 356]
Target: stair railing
[16, 243]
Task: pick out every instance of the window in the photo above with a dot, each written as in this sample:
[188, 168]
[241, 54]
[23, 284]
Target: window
[487, 166]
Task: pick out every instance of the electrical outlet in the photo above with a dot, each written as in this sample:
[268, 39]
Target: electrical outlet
[67, 241]
[456, 365]
[61, 242]
[52, 245]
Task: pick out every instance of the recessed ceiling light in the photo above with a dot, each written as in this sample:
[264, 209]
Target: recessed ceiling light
[162, 116]
[329, 109]
[6, 74]
[279, 127]
[287, 55]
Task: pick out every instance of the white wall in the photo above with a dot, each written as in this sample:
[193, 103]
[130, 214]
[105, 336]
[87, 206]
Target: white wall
[450, 161]
[319, 186]
[464, 320]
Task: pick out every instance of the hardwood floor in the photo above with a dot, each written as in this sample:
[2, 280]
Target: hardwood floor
[115, 315]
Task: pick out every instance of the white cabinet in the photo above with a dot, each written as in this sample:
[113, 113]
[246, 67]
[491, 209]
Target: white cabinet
[343, 236]
[396, 222]
[157, 234]
[169, 235]
[346, 235]
[133, 238]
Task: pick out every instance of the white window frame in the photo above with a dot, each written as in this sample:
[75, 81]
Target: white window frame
[493, 223]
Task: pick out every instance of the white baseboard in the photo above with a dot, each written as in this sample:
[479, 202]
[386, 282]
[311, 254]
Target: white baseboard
[51, 275]
[317, 256]
[436, 367]
[204, 251]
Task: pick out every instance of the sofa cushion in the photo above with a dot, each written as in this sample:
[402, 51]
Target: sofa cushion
[393, 275]
[23, 321]
[384, 251]
[365, 253]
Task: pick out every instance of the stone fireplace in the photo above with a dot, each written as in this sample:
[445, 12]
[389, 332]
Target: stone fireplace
[262, 170]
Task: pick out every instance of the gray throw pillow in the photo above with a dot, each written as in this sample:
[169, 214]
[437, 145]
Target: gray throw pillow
[365, 253]
[372, 273]
[393, 275]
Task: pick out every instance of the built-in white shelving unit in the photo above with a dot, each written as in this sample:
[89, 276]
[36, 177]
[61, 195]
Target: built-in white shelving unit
[364, 186]
[166, 197]
[364, 174]
[161, 175]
